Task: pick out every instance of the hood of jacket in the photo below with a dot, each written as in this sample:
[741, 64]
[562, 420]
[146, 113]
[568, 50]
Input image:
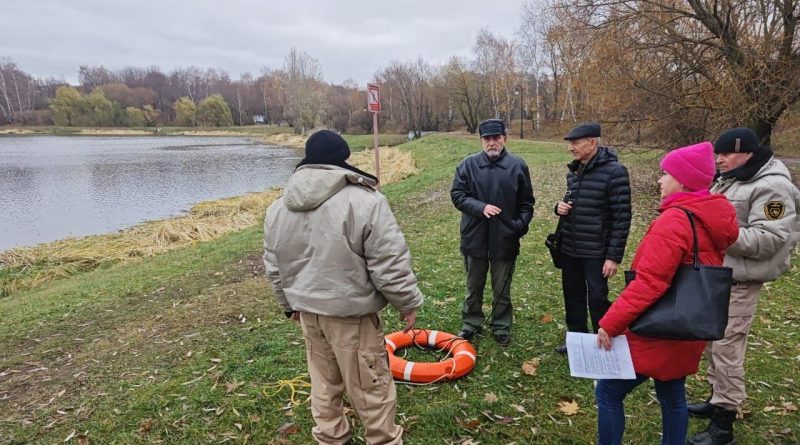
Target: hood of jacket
[773, 167]
[313, 184]
[712, 211]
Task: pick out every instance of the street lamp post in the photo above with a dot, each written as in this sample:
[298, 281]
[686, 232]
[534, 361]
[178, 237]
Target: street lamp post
[521, 91]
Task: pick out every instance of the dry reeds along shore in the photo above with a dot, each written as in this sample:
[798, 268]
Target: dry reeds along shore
[29, 267]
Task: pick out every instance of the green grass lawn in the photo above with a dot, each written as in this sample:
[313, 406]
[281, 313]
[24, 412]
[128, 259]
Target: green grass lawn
[188, 347]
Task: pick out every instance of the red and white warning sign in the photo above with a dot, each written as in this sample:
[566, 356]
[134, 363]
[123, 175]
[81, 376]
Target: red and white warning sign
[374, 97]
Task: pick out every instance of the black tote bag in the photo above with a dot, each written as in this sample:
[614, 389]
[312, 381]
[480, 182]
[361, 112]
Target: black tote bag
[695, 307]
[553, 243]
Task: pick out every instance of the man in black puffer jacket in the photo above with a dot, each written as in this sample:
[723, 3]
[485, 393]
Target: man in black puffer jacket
[493, 191]
[596, 216]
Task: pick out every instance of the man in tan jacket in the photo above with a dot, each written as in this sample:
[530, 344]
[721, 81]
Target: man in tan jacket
[336, 256]
[767, 204]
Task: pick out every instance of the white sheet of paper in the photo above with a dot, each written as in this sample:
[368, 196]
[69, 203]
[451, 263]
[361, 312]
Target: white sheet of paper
[587, 360]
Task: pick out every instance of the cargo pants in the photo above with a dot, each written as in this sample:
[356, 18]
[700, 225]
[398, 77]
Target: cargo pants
[726, 357]
[348, 354]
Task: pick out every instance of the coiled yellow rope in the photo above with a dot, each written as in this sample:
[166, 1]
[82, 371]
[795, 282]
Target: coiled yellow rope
[295, 385]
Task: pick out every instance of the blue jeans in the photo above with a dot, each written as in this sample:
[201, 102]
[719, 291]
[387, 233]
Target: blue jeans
[610, 395]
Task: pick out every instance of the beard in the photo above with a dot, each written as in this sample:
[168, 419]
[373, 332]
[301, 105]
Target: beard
[493, 154]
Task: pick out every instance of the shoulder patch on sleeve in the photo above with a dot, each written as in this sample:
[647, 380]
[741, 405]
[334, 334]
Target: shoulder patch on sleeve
[774, 210]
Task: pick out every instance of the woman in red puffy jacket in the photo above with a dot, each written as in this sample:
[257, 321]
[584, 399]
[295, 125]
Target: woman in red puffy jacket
[668, 243]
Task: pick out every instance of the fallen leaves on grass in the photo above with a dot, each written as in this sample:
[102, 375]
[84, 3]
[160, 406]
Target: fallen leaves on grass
[531, 366]
[232, 386]
[784, 410]
[288, 429]
[145, 426]
[444, 302]
[569, 408]
[469, 424]
[505, 420]
[519, 408]
[490, 397]
[547, 318]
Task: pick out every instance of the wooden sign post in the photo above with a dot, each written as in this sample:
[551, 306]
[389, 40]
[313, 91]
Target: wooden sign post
[374, 106]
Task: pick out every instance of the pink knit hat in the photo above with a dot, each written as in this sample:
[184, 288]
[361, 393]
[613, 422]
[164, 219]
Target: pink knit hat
[693, 166]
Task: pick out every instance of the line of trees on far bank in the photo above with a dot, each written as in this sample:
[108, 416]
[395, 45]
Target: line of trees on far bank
[71, 108]
[652, 71]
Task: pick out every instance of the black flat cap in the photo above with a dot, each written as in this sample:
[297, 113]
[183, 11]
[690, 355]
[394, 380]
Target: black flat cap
[492, 127]
[585, 130]
[737, 140]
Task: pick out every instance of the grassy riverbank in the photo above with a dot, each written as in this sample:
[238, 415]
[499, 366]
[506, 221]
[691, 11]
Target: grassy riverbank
[255, 130]
[268, 134]
[188, 346]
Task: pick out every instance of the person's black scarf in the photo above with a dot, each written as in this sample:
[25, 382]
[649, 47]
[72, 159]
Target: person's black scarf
[751, 167]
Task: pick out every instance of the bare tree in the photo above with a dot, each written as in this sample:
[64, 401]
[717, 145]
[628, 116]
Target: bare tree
[408, 84]
[468, 90]
[496, 62]
[18, 91]
[530, 52]
[737, 62]
[302, 90]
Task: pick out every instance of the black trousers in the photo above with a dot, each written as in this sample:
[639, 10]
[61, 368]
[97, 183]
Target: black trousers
[584, 284]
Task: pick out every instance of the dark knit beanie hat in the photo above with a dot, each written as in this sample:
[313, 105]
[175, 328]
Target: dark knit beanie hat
[737, 140]
[326, 147]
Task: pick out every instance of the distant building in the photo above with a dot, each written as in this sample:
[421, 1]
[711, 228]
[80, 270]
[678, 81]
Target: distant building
[258, 119]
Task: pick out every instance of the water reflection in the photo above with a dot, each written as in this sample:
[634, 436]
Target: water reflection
[54, 187]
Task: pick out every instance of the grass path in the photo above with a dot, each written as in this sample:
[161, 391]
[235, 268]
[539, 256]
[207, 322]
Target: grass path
[188, 347]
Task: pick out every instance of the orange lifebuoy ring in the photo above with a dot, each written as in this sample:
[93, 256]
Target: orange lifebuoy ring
[459, 362]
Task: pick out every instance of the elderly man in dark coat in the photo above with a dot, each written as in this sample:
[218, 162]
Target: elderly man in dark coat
[595, 219]
[493, 191]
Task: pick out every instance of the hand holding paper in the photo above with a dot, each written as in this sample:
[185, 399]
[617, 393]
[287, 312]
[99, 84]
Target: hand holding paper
[603, 340]
[587, 359]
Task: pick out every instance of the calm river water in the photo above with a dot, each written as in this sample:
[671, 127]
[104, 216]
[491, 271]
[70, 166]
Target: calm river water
[54, 187]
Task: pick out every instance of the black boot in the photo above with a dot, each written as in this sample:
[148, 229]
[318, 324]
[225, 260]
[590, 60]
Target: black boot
[701, 410]
[719, 431]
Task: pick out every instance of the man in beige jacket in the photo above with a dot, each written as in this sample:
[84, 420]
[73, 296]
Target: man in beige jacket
[336, 256]
[767, 204]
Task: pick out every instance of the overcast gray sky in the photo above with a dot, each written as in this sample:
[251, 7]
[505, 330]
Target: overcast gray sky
[350, 38]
